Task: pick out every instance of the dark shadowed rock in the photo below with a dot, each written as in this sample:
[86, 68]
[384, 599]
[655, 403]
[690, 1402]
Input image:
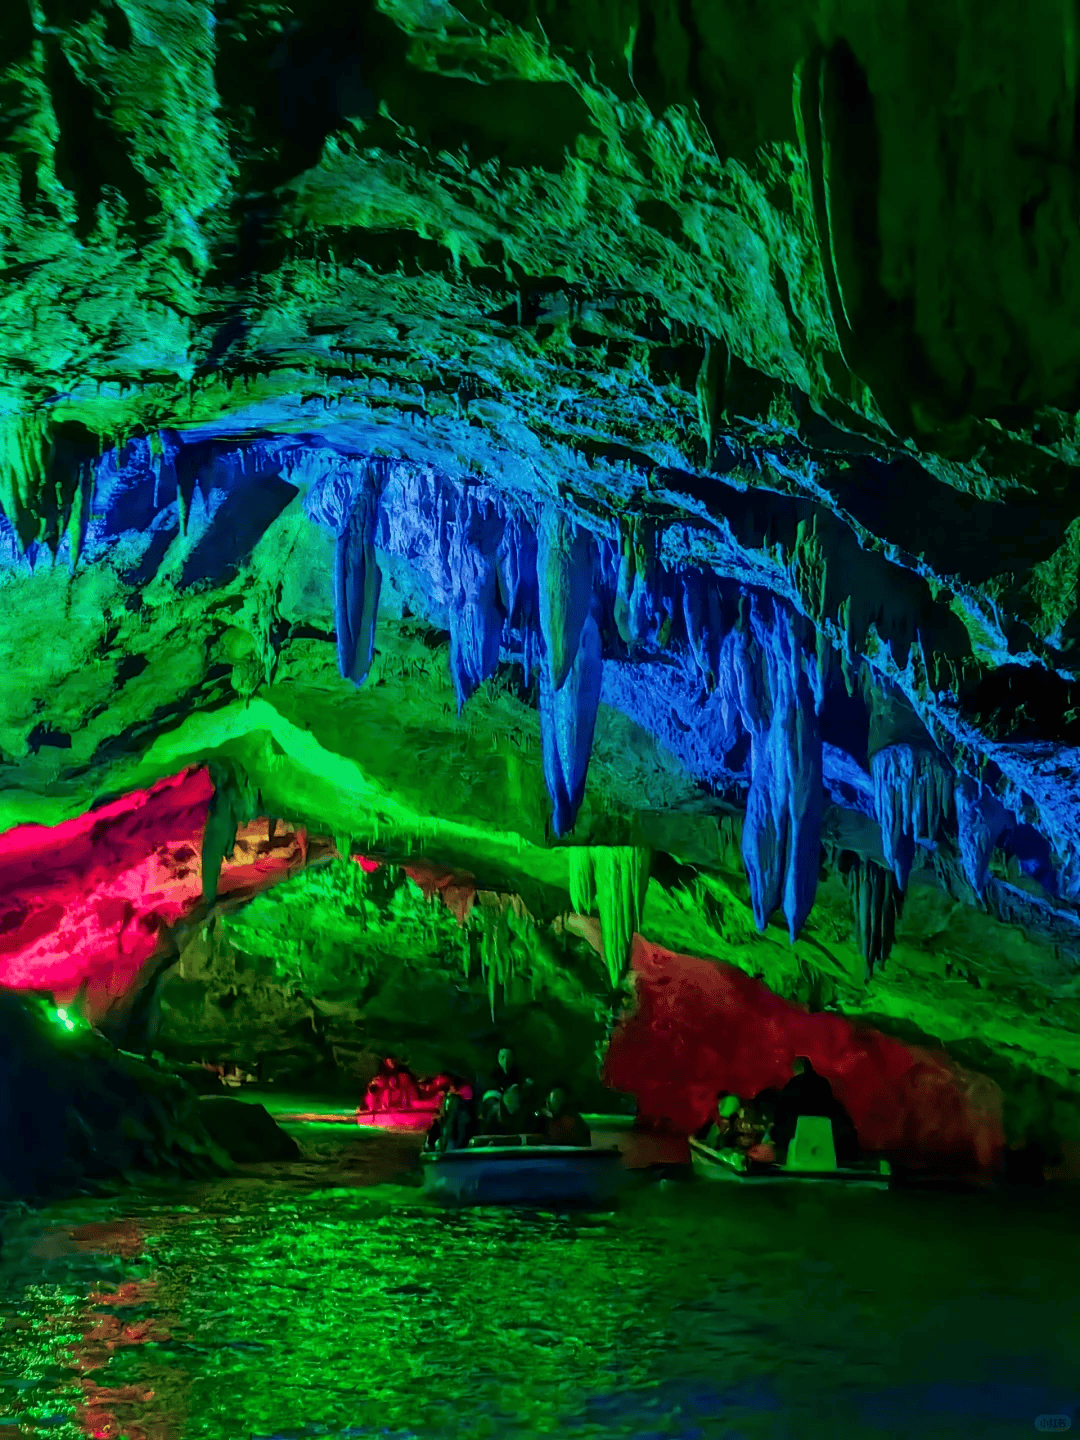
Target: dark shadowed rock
[247, 1132]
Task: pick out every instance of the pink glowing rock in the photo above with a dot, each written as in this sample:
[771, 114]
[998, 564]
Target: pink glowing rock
[83, 904]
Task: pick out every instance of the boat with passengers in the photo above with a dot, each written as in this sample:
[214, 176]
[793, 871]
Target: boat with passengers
[523, 1170]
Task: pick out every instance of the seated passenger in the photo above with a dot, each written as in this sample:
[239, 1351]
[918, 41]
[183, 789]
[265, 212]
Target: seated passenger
[562, 1124]
[383, 1082]
[454, 1122]
[435, 1087]
[402, 1093]
[507, 1072]
[720, 1133]
[516, 1116]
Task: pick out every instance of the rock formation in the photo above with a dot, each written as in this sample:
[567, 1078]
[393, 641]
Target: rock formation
[560, 443]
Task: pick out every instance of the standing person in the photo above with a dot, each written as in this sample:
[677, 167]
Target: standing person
[507, 1071]
[808, 1093]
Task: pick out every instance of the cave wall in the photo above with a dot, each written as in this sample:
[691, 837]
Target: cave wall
[311, 984]
[480, 432]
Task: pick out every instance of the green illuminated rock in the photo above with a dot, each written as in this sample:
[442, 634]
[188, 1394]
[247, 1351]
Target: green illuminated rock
[788, 290]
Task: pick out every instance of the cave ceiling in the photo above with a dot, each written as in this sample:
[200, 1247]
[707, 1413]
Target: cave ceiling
[488, 429]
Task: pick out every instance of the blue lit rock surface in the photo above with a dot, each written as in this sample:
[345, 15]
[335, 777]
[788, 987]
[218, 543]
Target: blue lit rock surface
[485, 430]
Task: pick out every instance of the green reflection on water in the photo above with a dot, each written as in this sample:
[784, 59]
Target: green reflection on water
[259, 1309]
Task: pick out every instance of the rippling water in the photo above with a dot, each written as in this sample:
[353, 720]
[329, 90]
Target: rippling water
[309, 1301]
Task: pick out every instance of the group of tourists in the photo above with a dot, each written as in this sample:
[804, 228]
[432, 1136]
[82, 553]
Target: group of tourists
[763, 1127]
[508, 1105]
[395, 1087]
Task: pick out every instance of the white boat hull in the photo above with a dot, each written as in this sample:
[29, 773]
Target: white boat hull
[712, 1165]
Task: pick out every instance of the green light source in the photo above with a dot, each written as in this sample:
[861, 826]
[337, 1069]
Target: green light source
[65, 1019]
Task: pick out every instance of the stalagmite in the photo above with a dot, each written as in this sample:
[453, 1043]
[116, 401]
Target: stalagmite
[567, 722]
[912, 798]
[476, 614]
[622, 878]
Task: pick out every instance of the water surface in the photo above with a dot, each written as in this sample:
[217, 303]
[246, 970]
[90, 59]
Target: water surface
[313, 1300]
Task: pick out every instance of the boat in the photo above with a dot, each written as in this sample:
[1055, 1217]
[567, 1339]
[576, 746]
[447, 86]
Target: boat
[523, 1170]
[416, 1118]
[811, 1159]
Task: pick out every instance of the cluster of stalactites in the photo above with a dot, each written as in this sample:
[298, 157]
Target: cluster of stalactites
[546, 588]
[877, 902]
[503, 934]
[778, 687]
[611, 881]
[913, 800]
[47, 475]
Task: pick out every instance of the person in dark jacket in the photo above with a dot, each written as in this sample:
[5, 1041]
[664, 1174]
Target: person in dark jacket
[808, 1093]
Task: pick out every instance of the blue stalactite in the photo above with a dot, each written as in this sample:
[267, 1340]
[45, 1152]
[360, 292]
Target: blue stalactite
[913, 799]
[704, 622]
[517, 574]
[476, 611]
[782, 833]
[564, 570]
[357, 583]
[567, 723]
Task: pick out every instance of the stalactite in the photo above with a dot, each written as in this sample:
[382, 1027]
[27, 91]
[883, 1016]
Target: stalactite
[234, 803]
[622, 878]
[476, 612]
[635, 606]
[782, 831]
[877, 902]
[582, 880]
[357, 583]
[704, 621]
[187, 462]
[24, 448]
[564, 569]
[913, 789]
[567, 723]
[496, 953]
[517, 572]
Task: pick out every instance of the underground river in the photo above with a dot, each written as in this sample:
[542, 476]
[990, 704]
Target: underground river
[327, 1297]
